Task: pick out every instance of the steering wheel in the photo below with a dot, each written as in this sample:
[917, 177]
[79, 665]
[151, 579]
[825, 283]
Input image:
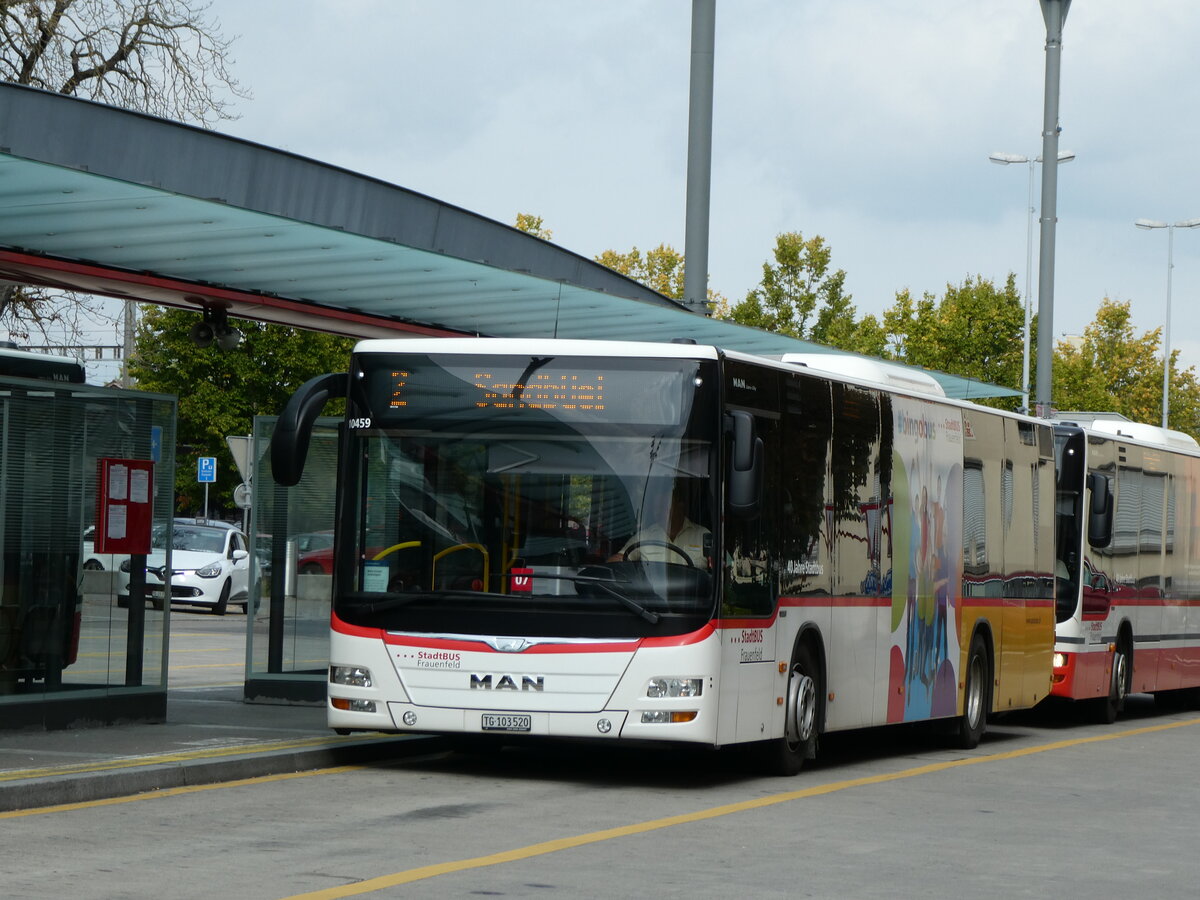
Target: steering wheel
[649, 542]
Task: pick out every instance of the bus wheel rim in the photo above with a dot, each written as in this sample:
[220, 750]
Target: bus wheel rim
[802, 707]
[975, 691]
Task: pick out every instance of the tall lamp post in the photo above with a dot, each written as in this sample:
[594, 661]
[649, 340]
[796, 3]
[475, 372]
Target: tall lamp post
[1149, 224]
[1006, 159]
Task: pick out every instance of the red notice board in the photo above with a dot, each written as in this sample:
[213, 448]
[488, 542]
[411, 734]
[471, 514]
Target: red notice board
[124, 491]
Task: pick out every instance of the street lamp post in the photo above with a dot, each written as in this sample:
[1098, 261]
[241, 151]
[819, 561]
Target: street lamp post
[1149, 224]
[1006, 159]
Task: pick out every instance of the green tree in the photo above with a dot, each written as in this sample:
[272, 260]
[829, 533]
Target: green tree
[1113, 370]
[974, 330]
[164, 57]
[220, 392]
[792, 288]
[531, 224]
[660, 269]
[802, 296]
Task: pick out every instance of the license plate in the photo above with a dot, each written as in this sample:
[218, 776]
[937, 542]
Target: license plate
[495, 722]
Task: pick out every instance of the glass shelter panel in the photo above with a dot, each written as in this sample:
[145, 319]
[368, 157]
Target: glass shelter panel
[291, 532]
[69, 648]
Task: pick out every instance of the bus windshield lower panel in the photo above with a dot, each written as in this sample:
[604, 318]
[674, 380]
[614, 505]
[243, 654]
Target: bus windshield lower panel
[502, 517]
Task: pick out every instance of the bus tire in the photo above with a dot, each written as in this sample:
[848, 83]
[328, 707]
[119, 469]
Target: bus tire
[802, 717]
[1108, 708]
[976, 696]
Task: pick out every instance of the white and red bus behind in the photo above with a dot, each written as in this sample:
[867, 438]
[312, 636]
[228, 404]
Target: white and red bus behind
[1128, 568]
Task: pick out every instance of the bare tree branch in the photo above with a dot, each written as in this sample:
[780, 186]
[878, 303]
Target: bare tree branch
[164, 57]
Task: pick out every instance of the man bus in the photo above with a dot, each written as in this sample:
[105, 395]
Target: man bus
[868, 554]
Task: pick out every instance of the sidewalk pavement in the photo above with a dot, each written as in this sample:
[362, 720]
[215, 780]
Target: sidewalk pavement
[210, 736]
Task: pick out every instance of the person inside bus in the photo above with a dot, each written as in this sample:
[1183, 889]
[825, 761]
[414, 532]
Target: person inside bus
[656, 539]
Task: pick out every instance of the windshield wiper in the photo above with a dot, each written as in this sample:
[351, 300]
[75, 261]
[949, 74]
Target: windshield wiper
[605, 585]
[365, 602]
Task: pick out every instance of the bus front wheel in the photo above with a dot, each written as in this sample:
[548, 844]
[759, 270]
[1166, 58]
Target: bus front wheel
[786, 755]
[1108, 708]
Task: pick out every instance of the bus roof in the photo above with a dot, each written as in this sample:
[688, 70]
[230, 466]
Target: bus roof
[519, 346]
[883, 373]
[1116, 425]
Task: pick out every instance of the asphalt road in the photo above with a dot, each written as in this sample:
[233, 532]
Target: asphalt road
[1046, 806]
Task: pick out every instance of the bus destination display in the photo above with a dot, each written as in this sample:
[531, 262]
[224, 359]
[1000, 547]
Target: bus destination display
[655, 392]
[560, 392]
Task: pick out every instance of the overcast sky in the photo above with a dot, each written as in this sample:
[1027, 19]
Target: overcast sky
[869, 123]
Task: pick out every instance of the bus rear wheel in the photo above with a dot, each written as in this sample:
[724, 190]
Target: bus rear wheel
[973, 721]
[786, 755]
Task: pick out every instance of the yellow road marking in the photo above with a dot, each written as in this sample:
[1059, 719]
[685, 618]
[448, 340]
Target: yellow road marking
[173, 792]
[131, 762]
[521, 853]
[567, 843]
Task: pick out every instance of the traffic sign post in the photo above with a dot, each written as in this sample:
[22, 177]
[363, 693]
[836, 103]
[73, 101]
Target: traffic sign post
[206, 474]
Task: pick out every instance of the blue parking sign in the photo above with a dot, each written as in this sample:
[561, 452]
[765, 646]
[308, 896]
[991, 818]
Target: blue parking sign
[206, 469]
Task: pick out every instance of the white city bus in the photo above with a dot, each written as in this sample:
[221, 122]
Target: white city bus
[843, 553]
[1128, 606]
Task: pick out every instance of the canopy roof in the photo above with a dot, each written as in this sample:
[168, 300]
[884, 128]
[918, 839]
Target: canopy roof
[120, 203]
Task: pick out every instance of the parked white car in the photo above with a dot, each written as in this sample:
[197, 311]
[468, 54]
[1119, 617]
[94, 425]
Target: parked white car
[210, 566]
[98, 562]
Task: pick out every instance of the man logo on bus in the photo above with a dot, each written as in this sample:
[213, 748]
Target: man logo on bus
[483, 682]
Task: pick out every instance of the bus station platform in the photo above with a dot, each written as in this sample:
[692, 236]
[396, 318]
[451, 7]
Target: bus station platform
[210, 736]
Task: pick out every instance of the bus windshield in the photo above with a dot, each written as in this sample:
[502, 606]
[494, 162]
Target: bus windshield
[573, 493]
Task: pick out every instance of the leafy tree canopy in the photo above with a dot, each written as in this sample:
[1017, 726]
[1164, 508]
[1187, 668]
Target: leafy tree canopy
[531, 224]
[660, 269]
[802, 296]
[975, 330]
[220, 392]
[1113, 370]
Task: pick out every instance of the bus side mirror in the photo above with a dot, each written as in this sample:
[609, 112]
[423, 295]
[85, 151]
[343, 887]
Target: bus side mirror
[1100, 515]
[293, 430]
[745, 467]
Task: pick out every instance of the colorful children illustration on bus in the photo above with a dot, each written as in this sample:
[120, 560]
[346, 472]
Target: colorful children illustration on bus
[927, 463]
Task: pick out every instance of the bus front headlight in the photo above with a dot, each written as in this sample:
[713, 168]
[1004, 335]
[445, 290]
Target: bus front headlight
[355, 676]
[674, 687]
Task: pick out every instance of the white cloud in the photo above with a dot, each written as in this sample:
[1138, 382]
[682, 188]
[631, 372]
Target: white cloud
[868, 122]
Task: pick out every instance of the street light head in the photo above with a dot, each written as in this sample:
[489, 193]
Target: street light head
[1003, 159]
[1149, 223]
[1188, 223]
[1063, 156]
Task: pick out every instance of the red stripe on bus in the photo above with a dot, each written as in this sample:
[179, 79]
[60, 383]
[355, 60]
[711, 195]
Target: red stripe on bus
[472, 645]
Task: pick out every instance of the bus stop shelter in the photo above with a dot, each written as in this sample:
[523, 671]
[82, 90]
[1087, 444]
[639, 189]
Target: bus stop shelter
[123, 204]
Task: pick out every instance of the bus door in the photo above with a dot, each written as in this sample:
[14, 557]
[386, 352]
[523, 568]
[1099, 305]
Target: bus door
[860, 623]
[750, 582]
